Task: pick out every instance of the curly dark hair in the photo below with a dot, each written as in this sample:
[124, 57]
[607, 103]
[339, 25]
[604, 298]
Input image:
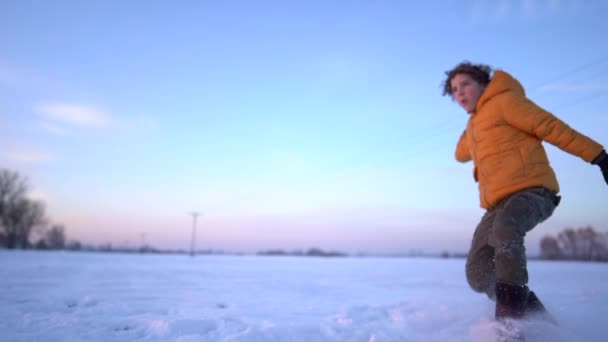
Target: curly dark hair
[479, 72]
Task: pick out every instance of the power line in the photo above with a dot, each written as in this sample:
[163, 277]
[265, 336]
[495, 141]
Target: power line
[573, 71]
[587, 98]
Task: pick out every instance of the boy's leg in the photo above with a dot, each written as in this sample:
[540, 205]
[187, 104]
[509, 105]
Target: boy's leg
[480, 269]
[516, 216]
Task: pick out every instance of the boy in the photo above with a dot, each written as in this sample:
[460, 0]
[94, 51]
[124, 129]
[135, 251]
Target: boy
[517, 186]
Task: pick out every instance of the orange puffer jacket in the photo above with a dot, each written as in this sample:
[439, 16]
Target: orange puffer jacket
[503, 138]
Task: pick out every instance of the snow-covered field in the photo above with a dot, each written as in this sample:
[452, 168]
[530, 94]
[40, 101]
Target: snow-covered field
[68, 296]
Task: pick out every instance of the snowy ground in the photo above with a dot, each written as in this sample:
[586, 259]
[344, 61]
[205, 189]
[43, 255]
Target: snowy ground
[64, 296]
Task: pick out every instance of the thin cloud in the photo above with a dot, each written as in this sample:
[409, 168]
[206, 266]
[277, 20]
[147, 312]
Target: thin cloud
[74, 115]
[28, 156]
[482, 10]
[53, 128]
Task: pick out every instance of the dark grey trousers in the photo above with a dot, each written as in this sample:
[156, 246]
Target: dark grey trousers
[497, 251]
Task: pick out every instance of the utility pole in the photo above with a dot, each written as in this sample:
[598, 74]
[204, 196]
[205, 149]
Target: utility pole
[143, 240]
[193, 241]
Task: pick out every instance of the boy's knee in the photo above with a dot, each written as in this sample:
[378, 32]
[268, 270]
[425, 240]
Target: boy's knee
[475, 283]
[480, 280]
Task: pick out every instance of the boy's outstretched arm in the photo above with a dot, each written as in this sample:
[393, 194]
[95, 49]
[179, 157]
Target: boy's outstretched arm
[602, 162]
[528, 117]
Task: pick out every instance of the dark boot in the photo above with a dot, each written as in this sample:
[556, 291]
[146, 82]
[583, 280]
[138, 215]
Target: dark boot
[511, 301]
[534, 304]
[536, 307]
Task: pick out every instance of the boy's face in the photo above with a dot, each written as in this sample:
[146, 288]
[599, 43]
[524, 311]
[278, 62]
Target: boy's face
[466, 91]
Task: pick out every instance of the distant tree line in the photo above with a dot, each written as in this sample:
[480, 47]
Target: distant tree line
[583, 244]
[315, 251]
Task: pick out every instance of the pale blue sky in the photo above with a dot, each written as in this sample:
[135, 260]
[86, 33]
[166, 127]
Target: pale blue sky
[289, 124]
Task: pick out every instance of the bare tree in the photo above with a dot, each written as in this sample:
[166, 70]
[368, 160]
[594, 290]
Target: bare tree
[12, 187]
[549, 248]
[567, 243]
[74, 245]
[55, 237]
[576, 244]
[593, 245]
[19, 216]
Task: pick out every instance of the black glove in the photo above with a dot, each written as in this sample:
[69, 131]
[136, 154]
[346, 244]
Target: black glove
[602, 162]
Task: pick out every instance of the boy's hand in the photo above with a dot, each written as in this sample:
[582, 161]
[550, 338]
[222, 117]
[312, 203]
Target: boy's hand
[602, 162]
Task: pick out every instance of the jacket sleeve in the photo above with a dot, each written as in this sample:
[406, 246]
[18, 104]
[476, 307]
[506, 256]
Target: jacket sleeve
[525, 115]
[463, 154]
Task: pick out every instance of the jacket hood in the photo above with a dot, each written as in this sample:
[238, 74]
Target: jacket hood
[501, 82]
